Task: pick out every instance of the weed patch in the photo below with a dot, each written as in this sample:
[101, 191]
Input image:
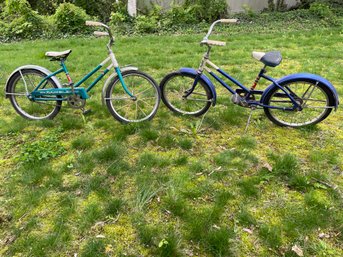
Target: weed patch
[42, 150]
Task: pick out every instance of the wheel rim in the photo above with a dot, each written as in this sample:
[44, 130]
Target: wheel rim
[23, 86]
[174, 90]
[139, 108]
[314, 101]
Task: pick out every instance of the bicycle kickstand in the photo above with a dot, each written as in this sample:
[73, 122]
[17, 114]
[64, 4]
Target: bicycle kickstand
[249, 119]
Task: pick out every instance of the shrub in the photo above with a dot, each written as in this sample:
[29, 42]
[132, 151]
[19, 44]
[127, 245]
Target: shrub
[180, 14]
[100, 8]
[151, 22]
[321, 10]
[208, 10]
[146, 24]
[157, 19]
[324, 12]
[70, 19]
[331, 3]
[45, 7]
[120, 19]
[20, 21]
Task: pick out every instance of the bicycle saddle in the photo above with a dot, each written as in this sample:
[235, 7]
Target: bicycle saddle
[57, 56]
[271, 59]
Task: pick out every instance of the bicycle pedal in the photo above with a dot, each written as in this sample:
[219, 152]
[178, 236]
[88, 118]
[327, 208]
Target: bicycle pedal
[85, 112]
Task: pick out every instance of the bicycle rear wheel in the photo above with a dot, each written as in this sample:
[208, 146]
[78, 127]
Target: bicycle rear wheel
[315, 100]
[20, 86]
[126, 109]
[173, 88]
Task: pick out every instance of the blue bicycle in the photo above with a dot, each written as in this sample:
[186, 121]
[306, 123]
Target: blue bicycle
[129, 94]
[295, 100]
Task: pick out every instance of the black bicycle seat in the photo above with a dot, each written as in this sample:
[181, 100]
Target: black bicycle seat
[271, 59]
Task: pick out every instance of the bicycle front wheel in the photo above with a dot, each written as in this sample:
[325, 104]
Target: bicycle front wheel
[146, 99]
[315, 100]
[173, 89]
[20, 86]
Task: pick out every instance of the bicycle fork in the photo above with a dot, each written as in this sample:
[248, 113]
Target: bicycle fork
[120, 76]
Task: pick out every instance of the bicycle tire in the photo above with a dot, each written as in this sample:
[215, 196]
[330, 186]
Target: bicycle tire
[300, 118]
[179, 104]
[148, 90]
[28, 85]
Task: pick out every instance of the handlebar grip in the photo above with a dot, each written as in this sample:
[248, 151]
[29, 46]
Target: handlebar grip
[213, 43]
[229, 21]
[93, 23]
[100, 33]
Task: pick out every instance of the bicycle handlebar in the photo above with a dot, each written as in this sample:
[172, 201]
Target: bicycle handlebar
[100, 33]
[229, 21]
[94, 23]
[234, 21]
[213, 43]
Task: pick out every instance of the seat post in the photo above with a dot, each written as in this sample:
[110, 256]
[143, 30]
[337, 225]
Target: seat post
[70, 81]
[262, 71]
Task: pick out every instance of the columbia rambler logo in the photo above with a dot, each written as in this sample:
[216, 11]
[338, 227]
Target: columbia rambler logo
[53, 92]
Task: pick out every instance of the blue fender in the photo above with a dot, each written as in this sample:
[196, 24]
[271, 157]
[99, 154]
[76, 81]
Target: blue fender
[205, 79]
[307, 76]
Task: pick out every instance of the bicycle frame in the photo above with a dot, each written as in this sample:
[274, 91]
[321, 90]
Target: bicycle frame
[206, 65]
[39, 92]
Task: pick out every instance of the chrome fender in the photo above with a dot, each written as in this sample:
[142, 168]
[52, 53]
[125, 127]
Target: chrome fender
[33, 67]
[309, 77]
[112, 78]
[205, 79]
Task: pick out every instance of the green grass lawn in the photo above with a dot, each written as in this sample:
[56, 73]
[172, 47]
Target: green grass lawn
[175, 186]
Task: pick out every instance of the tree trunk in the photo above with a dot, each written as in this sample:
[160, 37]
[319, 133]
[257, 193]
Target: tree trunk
[132, 7]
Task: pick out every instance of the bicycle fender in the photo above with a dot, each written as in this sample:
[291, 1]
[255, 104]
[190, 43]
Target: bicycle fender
[34, 67]
[111, 78]
[307, 76]
[205, 79]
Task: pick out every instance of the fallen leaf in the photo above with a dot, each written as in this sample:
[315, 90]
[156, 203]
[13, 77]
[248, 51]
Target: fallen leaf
[321, 235]
[215, 226]
[249, 231]
[297, 250]
[267, 166]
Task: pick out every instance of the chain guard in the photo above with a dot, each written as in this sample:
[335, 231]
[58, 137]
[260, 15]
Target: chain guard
[76, 102]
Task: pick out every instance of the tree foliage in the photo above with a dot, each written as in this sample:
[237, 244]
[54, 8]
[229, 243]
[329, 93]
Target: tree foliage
[20, 21]
[70, 18]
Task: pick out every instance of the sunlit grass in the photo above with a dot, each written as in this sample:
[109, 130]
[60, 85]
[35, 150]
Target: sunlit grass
[175, 186]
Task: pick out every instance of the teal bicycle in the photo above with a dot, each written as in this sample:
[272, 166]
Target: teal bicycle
[129, 94]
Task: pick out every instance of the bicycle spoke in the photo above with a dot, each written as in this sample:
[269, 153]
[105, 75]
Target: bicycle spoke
[17, 94]
[147, 98]
[319, 107]
[195, 93]
[142, 92]
[197, 100]
[142, 111]
[145, 102]
[118, 109]
[316, 100]
[119, 98]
